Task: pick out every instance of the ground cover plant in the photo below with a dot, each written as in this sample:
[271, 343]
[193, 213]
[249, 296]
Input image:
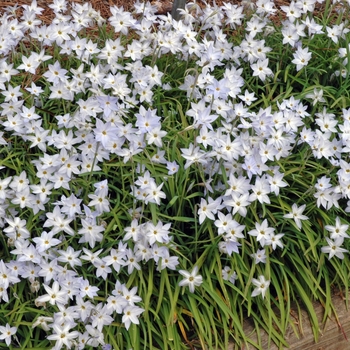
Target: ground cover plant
[162, 180]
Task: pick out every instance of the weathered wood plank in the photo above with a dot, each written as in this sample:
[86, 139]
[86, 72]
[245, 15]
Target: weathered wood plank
[334, 334]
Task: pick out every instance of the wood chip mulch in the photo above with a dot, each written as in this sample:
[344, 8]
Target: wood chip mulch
[164, 7]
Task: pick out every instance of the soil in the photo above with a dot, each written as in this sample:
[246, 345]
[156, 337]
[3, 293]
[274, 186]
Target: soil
[164, 6]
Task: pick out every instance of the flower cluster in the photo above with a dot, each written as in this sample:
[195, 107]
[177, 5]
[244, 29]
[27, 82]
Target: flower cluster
[116, 154]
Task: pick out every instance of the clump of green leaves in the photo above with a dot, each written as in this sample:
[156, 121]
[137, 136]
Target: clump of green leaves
[165, 180]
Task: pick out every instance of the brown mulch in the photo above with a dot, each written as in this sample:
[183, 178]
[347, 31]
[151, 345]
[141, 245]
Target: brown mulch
[164, 7]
